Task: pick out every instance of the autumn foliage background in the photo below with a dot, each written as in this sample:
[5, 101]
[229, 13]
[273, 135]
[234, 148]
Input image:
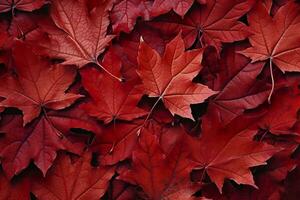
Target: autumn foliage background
[149, 99]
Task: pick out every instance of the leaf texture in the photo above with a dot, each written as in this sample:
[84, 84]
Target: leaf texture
[82, 34]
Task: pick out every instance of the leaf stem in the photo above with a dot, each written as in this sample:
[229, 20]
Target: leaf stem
[203, 174]
[148, 116]
[58, 133]
[108, 72]
[200, 36]
[263, 135]
[273, 82]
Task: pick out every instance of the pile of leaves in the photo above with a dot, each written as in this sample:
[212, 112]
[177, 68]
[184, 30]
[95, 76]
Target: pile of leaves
[149, 99]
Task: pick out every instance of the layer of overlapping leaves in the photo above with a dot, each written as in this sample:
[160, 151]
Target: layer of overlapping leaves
[149, 99]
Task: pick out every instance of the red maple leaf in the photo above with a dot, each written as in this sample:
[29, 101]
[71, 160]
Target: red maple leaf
[212, 23]
[231, 155]
[162, 176]
[40, 140]
[81, 35]
[269, 179]
[36, 86]
[111, 99]
[169, 77]
[274, 38]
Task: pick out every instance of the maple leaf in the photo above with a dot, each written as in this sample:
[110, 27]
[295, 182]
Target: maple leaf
[67, 180]
[161, 176]
[82, 34]
[269, 181]
[180, 7]
[24, 5]
[170, 77]
[212, 23]
[36, 85]
[231, 155]
[274, 38]
[125, 13]
[111, 99]
[16, 189]
[238, 86]
[40, 140]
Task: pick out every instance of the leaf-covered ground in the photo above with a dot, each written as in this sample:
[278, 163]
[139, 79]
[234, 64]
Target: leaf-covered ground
[149, 99]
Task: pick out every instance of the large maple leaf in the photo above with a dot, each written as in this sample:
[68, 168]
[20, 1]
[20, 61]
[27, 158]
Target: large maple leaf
[25, 5]
[40, 140]
[274, 38]
[170, 77]
[82, 34]
[269, 179]
[69, 181]
[162, 176]
[232, 154]
[212, 23]
[37, 85]
[111, 99]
